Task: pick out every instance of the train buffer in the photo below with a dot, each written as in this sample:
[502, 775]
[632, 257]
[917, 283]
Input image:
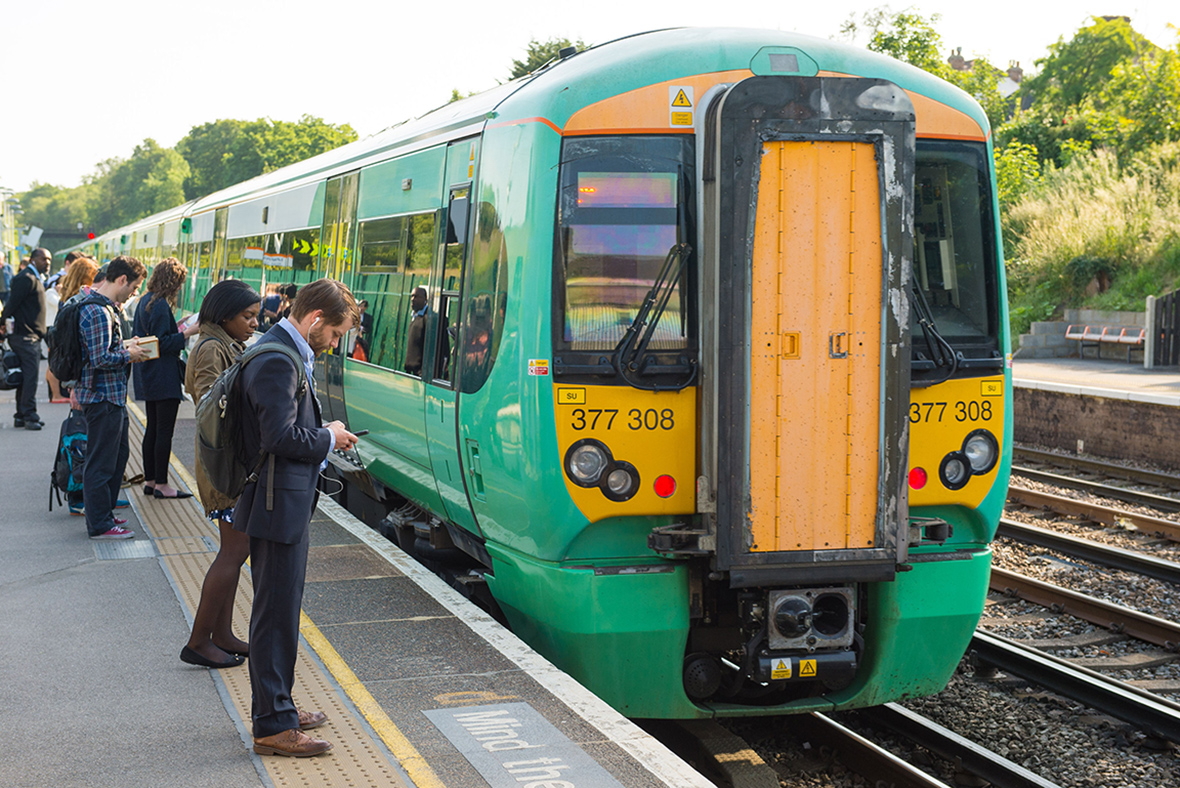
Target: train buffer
[421, 688]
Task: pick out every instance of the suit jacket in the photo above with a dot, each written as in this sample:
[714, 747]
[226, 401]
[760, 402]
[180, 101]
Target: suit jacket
[273, 420]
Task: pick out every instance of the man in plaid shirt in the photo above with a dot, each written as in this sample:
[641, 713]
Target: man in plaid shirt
[102, 392]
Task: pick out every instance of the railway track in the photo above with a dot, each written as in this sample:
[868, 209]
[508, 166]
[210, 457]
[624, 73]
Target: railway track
[1098, 468]
[1099, 513]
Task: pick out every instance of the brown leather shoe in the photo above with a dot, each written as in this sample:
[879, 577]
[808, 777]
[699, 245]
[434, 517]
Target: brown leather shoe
[294, 743]
[311, 719]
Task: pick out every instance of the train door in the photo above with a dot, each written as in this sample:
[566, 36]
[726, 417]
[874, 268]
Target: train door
[337, 237]
[442, 399]
[813, 206]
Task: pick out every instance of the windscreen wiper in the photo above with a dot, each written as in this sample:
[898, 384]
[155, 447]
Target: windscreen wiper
[941, 351]
[631, 354]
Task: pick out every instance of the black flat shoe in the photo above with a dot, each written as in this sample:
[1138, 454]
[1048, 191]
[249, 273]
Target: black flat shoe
[191, 657]
[148, 490]
[242, 654]
[179, 494]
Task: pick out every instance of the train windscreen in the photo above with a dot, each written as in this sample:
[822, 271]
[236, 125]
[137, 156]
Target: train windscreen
[622, 210]
[955, 250]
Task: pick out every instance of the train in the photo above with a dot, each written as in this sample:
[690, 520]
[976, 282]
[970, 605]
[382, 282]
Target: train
[689, 357]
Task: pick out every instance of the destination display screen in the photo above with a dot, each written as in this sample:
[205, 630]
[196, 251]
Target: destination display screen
[626, 190]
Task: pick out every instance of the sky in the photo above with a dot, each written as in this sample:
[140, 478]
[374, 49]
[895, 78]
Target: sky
[88, 81]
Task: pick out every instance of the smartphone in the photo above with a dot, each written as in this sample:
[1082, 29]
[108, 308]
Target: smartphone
[359, 433]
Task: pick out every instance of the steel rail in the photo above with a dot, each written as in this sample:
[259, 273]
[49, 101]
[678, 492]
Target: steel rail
[1161, 502]
[1106, 555]
[1156, 478]
[876, 764]
[1117, 618]
[978, 760]
[1096, 512]
[1150, 713]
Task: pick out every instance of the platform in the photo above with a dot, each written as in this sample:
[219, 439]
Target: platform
[421, 688]
[1099, 378]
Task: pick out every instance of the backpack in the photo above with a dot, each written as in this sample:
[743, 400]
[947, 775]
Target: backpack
[70, 460]
[67, 355]
[220, 452]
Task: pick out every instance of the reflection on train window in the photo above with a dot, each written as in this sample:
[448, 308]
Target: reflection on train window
[448, 300]
[624, 204]
[954, 245]
[393, 260]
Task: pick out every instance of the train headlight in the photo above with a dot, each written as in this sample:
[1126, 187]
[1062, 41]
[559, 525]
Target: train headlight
[955, 470]
[586, 462]
[982, 451]
[619, 481]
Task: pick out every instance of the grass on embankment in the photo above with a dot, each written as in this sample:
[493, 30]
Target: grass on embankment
[1094, 234]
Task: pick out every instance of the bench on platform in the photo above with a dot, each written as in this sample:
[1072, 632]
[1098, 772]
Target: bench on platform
[1096, 336]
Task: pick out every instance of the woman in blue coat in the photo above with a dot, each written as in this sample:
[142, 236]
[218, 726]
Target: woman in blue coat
[159, 382]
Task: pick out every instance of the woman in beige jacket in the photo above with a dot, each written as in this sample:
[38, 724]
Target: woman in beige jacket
[228, 318]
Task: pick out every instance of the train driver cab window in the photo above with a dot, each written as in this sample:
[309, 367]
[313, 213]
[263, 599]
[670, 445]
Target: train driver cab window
[624, 208]
[954, 256]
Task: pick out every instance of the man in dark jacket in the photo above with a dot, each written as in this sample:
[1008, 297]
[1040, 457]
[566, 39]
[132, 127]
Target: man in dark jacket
[275, 512]
[26, 308]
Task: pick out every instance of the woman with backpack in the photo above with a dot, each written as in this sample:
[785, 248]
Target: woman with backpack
[228, 318]
[158, 381]
[75, 284]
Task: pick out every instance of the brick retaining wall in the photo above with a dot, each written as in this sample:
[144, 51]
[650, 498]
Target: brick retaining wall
[1111, 428]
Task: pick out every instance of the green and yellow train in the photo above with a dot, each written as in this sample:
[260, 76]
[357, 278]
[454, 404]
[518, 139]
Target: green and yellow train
[710, 395]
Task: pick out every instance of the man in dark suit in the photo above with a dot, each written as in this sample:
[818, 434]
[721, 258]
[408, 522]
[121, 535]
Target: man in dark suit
[275, 512]
[26, 308]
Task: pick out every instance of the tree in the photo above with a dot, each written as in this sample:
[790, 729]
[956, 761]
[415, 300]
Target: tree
[905, 35]
[280, 143]
[225, 152]
[1077, 69]
[541, 52]
[219, 154]
[151, 180]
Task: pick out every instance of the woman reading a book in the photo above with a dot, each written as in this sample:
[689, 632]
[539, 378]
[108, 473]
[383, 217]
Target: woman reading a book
[159, 380]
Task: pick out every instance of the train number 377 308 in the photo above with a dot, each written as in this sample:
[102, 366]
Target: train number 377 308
[937, 412]
[633, 419]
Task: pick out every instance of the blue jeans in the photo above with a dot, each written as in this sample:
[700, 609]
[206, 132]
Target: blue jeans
[28, 349]
[107, 450]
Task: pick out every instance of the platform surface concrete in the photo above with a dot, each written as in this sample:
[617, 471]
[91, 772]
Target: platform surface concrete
[1099, 378]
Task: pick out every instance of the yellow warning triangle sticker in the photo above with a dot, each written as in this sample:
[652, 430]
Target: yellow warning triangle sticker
[807, 667]
[681, 100]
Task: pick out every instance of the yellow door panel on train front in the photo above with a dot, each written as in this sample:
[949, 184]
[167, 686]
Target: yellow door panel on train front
[816, 348]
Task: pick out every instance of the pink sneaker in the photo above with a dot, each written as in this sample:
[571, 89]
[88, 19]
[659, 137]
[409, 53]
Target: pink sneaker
[116, 533]
[120, 520]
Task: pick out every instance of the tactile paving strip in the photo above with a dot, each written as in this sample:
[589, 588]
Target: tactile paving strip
[183, 537]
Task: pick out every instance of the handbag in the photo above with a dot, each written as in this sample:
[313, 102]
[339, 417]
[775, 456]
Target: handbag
[13, 377]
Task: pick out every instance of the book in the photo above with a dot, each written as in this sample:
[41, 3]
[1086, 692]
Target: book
[151, 344]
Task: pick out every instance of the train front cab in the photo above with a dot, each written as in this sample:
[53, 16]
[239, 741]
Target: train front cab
[804, 581]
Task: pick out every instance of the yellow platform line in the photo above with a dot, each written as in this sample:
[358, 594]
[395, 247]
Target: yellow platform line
[405, 752]
[416, 766]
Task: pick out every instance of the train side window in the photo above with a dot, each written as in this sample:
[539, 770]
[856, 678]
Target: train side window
[421, 246]
[454, 255]
[485, 298]
[379, 276]
[297, 258]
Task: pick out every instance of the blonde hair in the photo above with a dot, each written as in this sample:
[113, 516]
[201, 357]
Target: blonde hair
[80, 274]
